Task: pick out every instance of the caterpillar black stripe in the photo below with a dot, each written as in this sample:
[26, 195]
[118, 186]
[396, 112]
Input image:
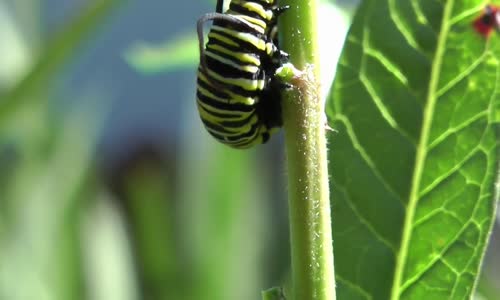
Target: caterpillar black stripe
[238, 94]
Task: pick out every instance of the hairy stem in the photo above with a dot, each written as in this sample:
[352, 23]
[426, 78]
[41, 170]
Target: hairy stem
[304, 124]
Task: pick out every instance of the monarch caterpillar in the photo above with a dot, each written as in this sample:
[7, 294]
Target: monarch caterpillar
[489, 20]
[238, 96]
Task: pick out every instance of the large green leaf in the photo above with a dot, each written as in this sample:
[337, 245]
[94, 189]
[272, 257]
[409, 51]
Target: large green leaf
[416, 106]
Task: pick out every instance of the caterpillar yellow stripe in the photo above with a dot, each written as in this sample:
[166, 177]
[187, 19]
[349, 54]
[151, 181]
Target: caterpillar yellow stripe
[238, 94]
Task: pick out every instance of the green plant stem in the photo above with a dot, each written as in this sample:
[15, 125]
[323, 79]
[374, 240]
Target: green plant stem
[304, 124]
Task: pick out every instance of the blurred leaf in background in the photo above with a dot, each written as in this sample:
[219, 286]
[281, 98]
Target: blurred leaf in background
[180, 52]
[49, 160]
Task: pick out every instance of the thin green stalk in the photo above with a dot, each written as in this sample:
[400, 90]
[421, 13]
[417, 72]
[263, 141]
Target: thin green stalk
[304, 124]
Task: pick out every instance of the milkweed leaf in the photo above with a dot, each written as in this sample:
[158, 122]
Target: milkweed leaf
[414, 158]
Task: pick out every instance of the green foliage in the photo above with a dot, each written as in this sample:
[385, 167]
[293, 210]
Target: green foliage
[55, 53]
[225, 200]
[415, 157]
[178, 53]
[48, 161]
[275, 293]
[208, 222]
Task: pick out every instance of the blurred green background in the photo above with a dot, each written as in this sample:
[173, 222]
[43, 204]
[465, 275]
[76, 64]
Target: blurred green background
[110, 188]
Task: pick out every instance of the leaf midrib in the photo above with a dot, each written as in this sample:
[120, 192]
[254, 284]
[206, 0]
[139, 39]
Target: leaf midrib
[421, 152]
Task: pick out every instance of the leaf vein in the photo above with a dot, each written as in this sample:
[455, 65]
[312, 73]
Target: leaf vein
[453, 169]
[457, 79]
[405, 32]
[436, 258]
[390, 66]
[421, 153]
[352, 285]
[457, 128]
[364, 155]
[363, 220]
